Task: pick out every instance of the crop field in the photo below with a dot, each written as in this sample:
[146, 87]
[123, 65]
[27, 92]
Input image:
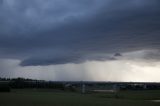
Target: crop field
[39, 97]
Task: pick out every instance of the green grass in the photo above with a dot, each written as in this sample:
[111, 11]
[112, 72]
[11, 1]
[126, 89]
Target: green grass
[52, 98]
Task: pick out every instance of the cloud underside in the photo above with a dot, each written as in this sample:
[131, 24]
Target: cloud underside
[118, 70]
[38, 32]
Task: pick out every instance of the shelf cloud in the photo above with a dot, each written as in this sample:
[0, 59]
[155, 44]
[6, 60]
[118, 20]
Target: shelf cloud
[58, 32]
[69, 31]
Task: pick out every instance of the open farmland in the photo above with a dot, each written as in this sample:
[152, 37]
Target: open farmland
[46, 97]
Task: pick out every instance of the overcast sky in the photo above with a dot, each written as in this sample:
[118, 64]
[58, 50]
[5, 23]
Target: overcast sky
[104, 40]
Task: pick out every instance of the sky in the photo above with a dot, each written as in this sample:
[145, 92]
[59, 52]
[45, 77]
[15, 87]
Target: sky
[80, 40]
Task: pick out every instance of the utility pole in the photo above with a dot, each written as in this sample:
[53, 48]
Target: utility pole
[83, 88]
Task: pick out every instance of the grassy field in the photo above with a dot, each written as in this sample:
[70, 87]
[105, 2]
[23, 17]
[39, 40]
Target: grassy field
[35, 97]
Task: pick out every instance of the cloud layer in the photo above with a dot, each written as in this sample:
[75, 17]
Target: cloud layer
[51, 32]
[119, 70]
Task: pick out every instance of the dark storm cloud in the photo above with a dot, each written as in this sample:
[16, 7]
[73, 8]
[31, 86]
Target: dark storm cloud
[48, 32]
[1, 2]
